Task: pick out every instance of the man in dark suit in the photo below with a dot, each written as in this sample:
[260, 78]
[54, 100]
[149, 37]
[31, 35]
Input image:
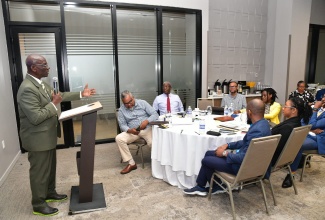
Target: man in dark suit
[228, 157]
[38, 131]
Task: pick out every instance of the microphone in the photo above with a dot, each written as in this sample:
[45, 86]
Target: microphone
[55, 85]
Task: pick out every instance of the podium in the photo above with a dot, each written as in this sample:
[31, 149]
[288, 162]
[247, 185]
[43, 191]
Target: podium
[87, 196]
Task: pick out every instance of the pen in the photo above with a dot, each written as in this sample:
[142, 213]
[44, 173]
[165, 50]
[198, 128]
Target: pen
[197, 132]
[182, 131]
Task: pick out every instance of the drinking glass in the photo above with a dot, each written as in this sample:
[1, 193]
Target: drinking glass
[209, 110]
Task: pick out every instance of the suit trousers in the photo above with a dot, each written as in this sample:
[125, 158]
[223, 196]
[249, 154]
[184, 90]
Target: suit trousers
[124, 138]
[211, 163]
[42, 174]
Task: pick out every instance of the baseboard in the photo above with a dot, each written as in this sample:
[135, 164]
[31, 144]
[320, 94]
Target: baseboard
[12, 164]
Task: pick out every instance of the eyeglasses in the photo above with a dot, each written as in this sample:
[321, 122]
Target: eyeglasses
[42, 65]
[129, 102]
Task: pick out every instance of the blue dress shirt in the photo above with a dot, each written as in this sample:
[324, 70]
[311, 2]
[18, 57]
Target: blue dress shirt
[132, 117]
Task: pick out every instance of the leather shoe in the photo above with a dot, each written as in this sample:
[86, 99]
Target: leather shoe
[287, 182]
[129, 168]
[56, 197]
[45, 211]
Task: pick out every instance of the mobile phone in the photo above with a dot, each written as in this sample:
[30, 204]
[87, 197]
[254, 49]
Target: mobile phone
[138, 128]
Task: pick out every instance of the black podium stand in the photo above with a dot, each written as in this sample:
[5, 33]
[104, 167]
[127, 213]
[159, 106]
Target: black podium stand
[86, 197]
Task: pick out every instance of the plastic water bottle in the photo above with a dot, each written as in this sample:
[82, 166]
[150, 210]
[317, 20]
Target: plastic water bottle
[189, 111]
[231, 109]
[226, 111]
[202, 126]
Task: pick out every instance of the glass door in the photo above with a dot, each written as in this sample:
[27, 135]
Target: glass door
[42, 41]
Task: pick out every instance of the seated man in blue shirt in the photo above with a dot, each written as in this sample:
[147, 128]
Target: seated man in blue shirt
[161, 102]
[223, 159]
[133, 118]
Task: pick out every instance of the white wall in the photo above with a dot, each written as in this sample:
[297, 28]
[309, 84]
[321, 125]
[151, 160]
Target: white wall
[299, 39]
[289, 17]
[8, 125]
[237, 40]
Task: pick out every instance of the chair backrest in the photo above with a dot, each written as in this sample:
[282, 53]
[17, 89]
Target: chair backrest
[258, 158]
[292, 146]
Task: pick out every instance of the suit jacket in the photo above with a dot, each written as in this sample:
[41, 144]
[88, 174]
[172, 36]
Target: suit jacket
[273, 116]
[259, 129]
[285, 128]
[319, 122]
[38, 116]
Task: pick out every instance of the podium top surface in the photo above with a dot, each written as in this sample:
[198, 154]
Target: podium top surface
[82, 110]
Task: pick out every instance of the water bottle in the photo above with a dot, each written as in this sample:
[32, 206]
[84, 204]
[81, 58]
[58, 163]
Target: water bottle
[189, 111]
[226, 111]
[202, 126]
[231, 109]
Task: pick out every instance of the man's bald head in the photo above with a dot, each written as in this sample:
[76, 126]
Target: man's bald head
[37, 66]
[33, 59]
[256, 107]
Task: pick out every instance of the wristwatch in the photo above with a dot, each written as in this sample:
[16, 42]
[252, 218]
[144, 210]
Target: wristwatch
[224, 153]
[315, 109]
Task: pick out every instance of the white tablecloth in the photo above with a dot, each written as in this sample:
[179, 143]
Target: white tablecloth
[176, 157]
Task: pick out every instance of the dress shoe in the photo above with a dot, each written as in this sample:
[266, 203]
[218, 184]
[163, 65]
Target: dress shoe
[45, 211]
[56, 197]
[287, 182]
[129, 168]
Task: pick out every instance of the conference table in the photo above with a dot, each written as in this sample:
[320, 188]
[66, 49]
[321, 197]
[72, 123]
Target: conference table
[177, 151]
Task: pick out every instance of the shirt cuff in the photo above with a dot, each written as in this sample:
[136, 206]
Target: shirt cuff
[56, 109]
[80, 95]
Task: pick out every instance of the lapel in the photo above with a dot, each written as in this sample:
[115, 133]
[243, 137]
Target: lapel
[38, 86]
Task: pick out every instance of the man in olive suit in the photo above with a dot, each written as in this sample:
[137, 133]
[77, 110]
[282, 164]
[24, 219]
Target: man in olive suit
[37, 106]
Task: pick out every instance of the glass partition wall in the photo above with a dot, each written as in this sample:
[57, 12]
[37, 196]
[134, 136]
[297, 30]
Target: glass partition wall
[90, 60]
[137, 52]
[179, 49]
[112, 47]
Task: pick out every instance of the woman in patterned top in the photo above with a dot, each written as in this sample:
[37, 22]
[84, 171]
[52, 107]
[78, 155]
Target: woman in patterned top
[272, 108]
[300, 92]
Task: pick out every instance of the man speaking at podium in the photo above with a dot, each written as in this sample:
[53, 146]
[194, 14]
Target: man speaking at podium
[39, 128]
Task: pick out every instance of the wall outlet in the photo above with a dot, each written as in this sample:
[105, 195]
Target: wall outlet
[3, 144]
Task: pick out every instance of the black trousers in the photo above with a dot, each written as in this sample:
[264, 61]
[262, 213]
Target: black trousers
[42, 174]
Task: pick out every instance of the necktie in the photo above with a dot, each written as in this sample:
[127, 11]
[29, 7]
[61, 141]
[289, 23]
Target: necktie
[43, 86]
[168, 104]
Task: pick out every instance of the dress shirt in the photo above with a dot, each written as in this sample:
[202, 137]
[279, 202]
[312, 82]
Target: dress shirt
[160, 103]
[306, 96]
[239, 101]
[132, 117]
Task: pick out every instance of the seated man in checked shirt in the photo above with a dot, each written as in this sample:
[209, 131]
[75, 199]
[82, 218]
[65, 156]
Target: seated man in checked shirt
[133, 118]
